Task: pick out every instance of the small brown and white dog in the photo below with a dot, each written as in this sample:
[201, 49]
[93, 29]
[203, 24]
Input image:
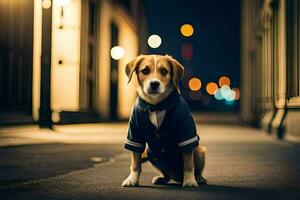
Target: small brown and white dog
[161, 119]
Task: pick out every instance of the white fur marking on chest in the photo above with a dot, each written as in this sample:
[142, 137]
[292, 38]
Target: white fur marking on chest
[157, 117]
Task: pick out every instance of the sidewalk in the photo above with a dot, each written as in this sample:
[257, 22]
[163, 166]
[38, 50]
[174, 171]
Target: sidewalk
[106, 133]
[242, 163]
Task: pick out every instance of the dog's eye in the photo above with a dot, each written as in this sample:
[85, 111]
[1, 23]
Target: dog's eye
[164, 72]
[145, 71]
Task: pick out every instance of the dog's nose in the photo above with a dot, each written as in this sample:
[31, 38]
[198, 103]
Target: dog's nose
[154, 85]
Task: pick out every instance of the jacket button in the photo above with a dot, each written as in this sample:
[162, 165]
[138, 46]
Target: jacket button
[154, 159]
[158, 135]
[162, 150]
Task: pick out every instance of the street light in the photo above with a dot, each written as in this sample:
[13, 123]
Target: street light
[117, 52]
[218, 94]
[154, 41]
[226, 91]
[224, 80]
[195, 84]
[211, 88]
[187, 30]
[237, 93]
[46, 4]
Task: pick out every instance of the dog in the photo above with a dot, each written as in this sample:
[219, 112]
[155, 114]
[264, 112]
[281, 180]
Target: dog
[161, 119]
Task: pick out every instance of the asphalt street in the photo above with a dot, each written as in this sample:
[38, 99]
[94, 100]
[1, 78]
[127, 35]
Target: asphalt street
[242, 163]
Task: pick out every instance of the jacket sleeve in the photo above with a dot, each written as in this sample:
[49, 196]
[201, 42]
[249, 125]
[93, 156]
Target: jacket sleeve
[135, 141]
[187, 138]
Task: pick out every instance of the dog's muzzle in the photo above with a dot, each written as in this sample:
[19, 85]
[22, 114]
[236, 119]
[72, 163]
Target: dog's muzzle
[154, 85]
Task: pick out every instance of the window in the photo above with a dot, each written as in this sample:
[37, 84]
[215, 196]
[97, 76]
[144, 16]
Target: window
[293, 49]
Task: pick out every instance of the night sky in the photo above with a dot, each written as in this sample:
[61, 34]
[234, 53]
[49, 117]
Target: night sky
[216, 42]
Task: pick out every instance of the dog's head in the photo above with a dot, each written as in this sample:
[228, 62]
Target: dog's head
[157, 75]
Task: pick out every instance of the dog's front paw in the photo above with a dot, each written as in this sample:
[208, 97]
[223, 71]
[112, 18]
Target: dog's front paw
[190, 183]
[131, 181]
[189, 180]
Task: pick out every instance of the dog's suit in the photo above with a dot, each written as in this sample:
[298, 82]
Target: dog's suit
[166, 141]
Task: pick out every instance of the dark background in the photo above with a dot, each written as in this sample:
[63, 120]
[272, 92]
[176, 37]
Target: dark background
[216, 43]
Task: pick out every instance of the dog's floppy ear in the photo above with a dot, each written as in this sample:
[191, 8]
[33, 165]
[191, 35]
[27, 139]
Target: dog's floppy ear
[177, 70]
[132, 66]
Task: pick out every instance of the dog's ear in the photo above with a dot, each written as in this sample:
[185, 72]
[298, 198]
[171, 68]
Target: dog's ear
[132, 66]
[177, 70]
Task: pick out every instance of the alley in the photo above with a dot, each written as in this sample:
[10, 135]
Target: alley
[74, 72]
[242, 163]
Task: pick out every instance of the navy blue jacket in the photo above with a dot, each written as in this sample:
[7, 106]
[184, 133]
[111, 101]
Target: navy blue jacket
[176, 134]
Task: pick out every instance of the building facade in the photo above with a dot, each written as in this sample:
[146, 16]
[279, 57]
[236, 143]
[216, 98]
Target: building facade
[270, 65]
[86, 83]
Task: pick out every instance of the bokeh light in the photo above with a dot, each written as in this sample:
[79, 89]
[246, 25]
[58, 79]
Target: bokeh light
[46, 4]
[224, 80]
[211, 88]
[230, 96]
[237, 93]
[117, 52]
[187, 51]
[218, 94]
[187, 30]
[195, 84]
[225, 91]
[154, 41]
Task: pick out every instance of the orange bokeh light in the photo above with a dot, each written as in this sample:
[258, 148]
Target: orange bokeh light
[224, 80]
[237, 93]
[187, 30]
[211, 88]
[195, 84]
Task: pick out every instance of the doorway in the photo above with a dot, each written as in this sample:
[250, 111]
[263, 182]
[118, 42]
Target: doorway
[16, 60]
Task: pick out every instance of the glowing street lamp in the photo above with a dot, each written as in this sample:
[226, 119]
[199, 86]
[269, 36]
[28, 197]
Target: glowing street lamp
[187, 30]
[195, 84]
[218, 95]
[237, 93]
[187, 51]
[46, 4]
[211, 88]
[231, 96]
[117, 52]
[154, 41]
[224, 80]
[225, 91]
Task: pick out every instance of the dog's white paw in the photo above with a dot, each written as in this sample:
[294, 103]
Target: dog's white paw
[190, 183]
[131, 181]
[189, 180]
